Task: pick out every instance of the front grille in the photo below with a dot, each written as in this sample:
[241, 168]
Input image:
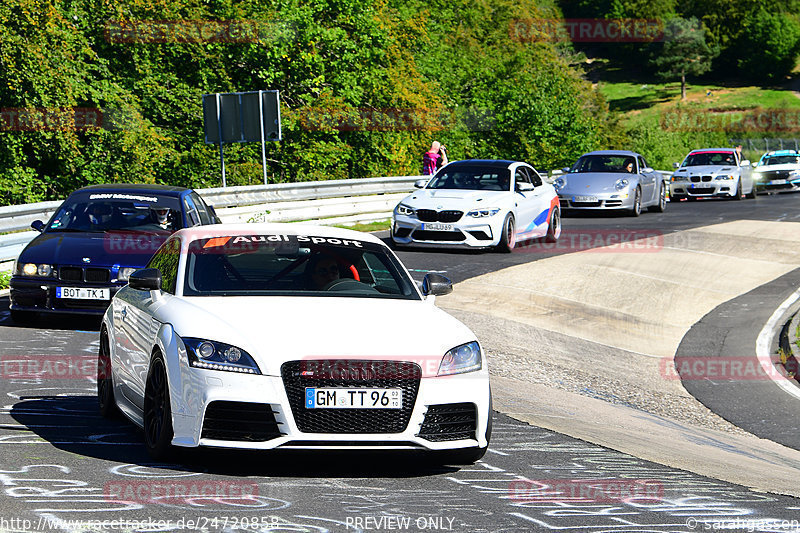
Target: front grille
[365, 375]
[240, 421]
[585, 204]
[778, 187]
[70, 274]
[66, 303]
[698, 179]
[450, 216]
[90, 275]
[777, 174]
[702, 190]
[428, 235]
[97, 275]
[429, 215]
[451, 421]
[707, 178]
[613, 203]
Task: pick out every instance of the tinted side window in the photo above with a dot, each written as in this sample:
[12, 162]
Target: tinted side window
[536, 179]
[192, 216]
[205, 216]
[166, 260]
[642, 164]
[521, 176]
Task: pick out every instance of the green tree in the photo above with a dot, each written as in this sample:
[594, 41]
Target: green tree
[777, 38]
[684, 52]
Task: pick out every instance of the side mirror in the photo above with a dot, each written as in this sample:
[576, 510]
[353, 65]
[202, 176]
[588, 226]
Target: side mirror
[436, 285]
[647, 170]
[145, 279]
[746, 163]
[565, 170]
[523, 187]
[420, 184]
[676, 165]
[38, 225]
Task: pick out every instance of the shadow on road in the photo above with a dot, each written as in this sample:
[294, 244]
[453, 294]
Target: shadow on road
[73, 424]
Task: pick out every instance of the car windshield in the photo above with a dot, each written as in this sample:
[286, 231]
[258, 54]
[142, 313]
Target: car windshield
[471, 178]
[604, 163]
[781, 160]
[700, 159]
[103, 212]
[294, 265]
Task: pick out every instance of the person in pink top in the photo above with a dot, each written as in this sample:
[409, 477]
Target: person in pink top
[434, 159]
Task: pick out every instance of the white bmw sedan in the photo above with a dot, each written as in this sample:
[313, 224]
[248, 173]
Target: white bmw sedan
[480, 204]
[267, 336]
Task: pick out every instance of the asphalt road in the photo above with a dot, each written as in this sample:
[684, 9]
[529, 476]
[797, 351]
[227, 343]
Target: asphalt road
[62, 467]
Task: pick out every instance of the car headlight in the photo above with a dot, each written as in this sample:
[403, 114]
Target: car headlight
[621, 184]
[680, 178]
[125, 273]
[559, 183]
[34, 270]
[461, 359]
[214, 355]
[725, 177]
[403, 209]
[486, 212]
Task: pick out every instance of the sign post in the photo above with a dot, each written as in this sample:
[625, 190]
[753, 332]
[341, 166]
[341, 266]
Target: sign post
[242, 117]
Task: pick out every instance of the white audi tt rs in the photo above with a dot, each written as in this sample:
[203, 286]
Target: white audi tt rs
[266, 336]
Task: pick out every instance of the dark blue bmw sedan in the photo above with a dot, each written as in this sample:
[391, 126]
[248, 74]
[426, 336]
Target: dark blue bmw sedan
[94, 241]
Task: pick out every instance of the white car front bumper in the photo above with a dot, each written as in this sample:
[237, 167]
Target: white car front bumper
[483, 232]
[703, 188]
[232, 410]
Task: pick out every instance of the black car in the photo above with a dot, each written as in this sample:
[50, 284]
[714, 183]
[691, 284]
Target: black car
[94, 241]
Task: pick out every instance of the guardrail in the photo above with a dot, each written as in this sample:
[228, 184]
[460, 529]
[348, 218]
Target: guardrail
[329, 202]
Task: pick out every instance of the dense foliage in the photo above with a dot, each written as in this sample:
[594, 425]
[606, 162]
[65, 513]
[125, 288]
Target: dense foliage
[365, 87]
[755, 40]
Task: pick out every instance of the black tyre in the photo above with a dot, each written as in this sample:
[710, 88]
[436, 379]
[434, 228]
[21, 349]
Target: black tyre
[554, 227]
[739, 195]
[661, 206]
[636, 210]
[752, 194]
[509, 237]
[105, 387]
[157, 412]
